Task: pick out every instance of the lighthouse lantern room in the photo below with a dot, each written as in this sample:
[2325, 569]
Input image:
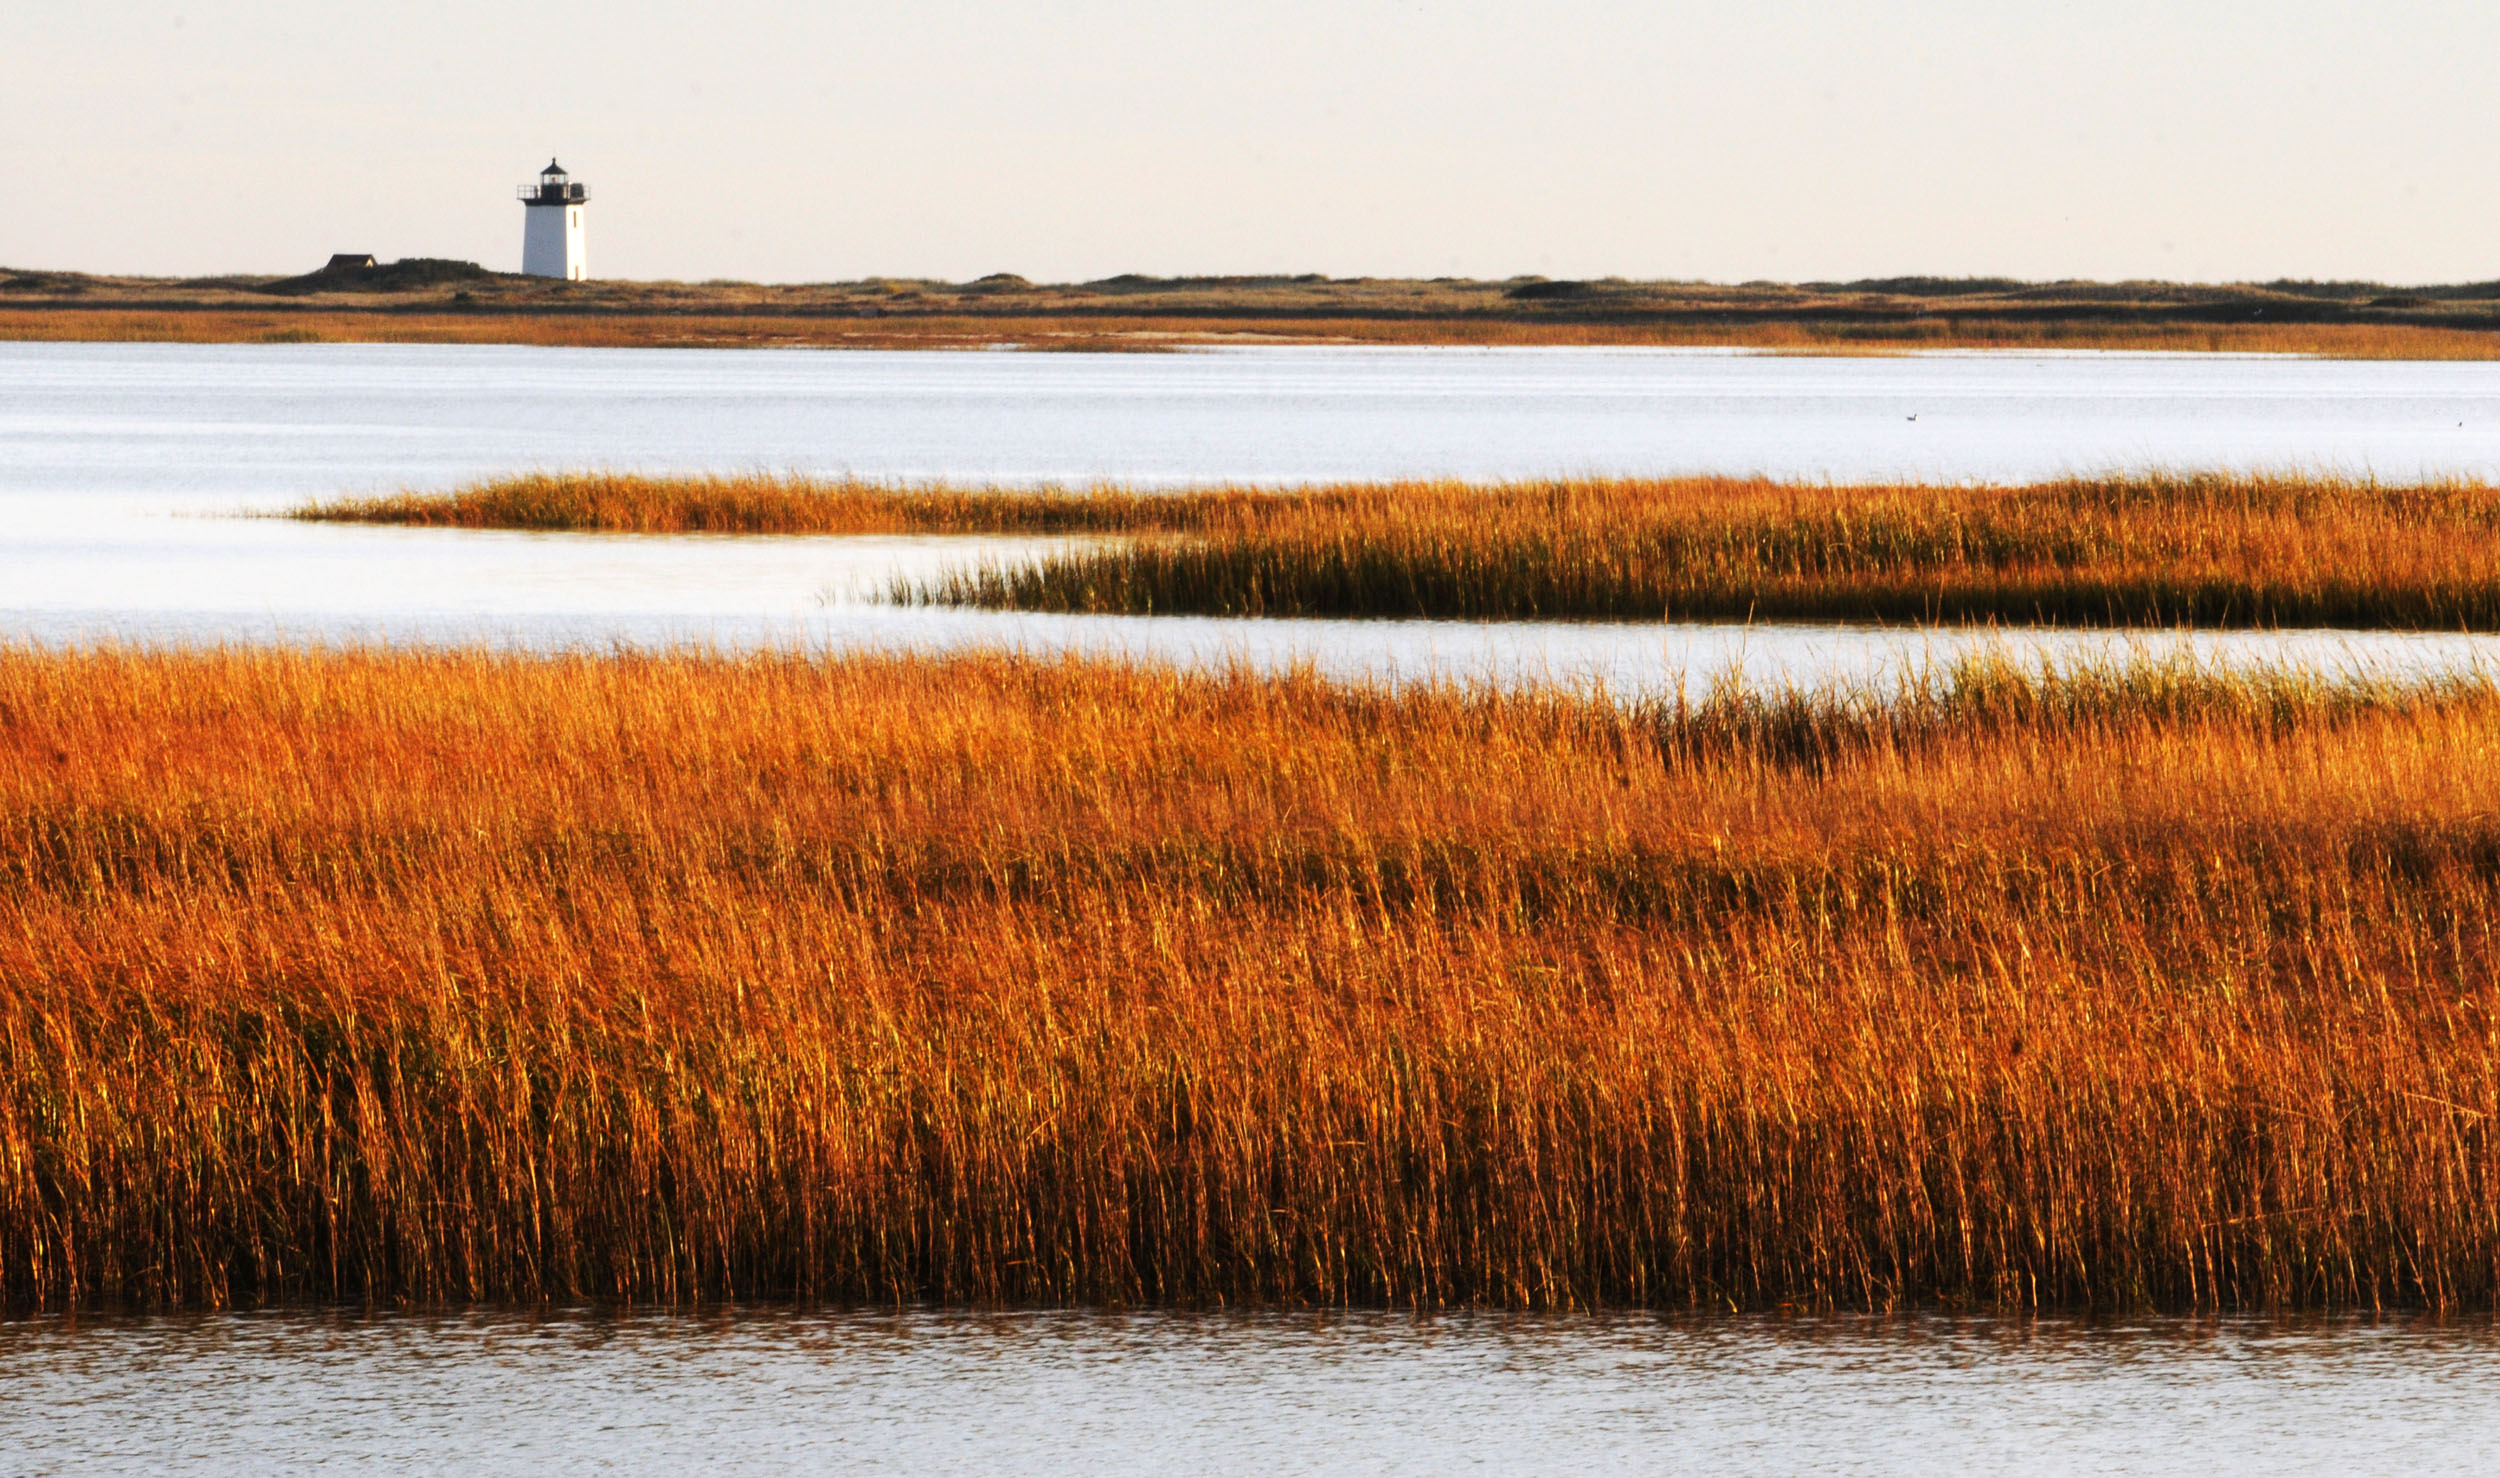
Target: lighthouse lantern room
[551, 240]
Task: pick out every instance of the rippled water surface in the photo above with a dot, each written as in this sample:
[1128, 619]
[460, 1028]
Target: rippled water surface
[120, 466]
[772, 1390]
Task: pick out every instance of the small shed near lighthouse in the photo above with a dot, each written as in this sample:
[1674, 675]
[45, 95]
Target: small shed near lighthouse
[551, 235]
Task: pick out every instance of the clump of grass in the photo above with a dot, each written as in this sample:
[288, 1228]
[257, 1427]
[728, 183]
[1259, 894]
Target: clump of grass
[2206, 551]
[2076, 700]
[398, 976]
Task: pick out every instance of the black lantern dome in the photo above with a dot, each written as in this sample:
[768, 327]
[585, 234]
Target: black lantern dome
[554, 187]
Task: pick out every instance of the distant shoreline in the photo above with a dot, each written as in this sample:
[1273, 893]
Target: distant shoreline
[457, 302]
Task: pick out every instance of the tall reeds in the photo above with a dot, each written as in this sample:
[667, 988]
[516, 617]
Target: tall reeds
[2202, 551]
[391, 976]
[2206, 551]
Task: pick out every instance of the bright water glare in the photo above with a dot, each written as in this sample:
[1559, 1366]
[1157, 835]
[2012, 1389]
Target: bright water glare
[121, 465]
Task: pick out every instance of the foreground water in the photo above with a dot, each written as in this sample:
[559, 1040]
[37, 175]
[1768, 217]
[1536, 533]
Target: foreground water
[775, 1390]
[121, 465]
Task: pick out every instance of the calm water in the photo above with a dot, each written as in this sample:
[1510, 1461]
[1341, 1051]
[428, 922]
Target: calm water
[119, 464]
[776, 1391]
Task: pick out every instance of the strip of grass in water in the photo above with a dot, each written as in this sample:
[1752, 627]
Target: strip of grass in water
[623, 503]
[455, 976]
[617, 325]
[2204, 551]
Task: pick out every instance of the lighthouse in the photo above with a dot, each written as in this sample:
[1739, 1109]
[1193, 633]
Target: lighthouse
[551, 239]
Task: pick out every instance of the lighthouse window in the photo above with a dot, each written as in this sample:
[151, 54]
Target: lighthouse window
[577, 218]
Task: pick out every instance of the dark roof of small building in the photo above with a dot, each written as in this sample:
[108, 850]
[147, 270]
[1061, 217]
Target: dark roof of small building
[349, 261]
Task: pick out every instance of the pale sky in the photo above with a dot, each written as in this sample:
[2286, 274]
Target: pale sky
[2187, 139]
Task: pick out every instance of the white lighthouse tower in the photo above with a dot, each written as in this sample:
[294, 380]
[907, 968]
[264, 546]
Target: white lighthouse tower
[551, 241]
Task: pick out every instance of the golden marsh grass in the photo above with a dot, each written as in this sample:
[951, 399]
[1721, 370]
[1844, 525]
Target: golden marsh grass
[2159, 551]
[393, 976]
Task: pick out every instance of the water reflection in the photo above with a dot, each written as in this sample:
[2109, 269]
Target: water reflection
[260, 581]
[777, 1389]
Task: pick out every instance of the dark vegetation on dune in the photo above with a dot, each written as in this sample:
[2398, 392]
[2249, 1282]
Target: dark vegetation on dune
[384, 277]
[423, 300]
